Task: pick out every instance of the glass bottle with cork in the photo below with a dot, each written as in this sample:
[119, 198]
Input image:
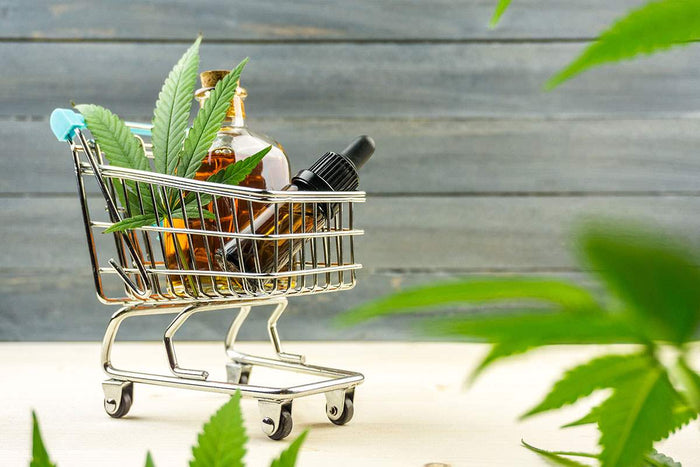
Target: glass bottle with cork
[234, 142]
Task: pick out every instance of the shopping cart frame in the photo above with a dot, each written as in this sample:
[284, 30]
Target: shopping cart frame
[148, 283]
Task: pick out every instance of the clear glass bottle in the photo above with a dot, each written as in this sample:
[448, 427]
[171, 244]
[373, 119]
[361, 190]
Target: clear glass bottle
[234, 142]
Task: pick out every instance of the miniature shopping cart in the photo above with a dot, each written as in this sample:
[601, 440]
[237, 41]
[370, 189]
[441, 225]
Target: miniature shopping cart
[130, 269]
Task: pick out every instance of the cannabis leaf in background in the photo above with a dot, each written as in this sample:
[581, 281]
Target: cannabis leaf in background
[654, 27]
[176, 151]
[221, 443]
[653, 285]
[498, 12]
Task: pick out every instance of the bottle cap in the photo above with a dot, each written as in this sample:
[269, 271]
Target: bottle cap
[209, 78]
[337, 172]
[359, 151]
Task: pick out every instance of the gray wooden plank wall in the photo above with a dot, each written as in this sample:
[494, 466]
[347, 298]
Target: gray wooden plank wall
[477, 171]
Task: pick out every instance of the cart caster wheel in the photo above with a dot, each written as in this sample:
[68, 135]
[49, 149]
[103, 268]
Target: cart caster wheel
[284, 428]
[341, 418]
[119, 396]
[237, 373]
[276, 418]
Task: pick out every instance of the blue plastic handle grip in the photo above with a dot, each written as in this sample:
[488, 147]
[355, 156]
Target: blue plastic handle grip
[64, 122]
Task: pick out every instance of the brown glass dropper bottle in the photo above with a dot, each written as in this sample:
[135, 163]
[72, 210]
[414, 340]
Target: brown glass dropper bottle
[331, 172]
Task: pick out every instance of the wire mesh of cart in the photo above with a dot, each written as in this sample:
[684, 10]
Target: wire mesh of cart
[170, 267]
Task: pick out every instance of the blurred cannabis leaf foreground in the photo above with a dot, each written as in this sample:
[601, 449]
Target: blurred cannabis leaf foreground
[221, 443]
[653, 27]
[653, 303]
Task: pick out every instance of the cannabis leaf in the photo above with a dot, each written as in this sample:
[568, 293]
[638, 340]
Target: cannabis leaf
[132, 222]
[172, 111]
[557, 457]
[654, 283]
[149, 460]
[514, 333]
[40, 458]
[653, 459]
[207, 123]
[682, 415]
[120, 147]
[691, 382]
[559, 293]
[605, 372]
[653, 27]
[639, 412]
[288, 457]
[221, 443]
[657, 459]
[141, 220]
[237, 172]
[498, 12]
[657, 280]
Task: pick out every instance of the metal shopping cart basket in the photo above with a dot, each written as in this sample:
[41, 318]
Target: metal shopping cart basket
[134, 269]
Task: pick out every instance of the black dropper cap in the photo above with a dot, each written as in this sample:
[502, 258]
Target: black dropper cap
[337, 172]
[359, 151]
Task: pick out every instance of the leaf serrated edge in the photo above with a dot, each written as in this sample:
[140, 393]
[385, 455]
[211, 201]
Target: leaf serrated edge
[207, 122]
[170, 121]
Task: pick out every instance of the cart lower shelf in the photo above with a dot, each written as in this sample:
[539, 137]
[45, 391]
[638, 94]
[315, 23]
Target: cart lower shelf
[275, 403]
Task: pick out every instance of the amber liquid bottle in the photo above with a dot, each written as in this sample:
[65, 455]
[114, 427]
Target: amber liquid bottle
[234, 142]
[331, 172]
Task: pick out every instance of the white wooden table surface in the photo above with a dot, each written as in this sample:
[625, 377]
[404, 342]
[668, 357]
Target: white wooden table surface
[411, 410]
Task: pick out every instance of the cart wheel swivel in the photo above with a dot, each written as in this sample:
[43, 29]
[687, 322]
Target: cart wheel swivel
[339, 406]
[341, 417]
[119, 396]
[284, 428]
[237, 373]
[276, 418]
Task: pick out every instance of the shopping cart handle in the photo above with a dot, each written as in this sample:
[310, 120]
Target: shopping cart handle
[64, 122]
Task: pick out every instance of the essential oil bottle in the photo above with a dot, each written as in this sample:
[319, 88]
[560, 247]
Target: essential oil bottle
[331, 172]
[234, 142]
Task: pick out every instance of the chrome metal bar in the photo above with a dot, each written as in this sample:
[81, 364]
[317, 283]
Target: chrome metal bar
[170, 347]
[340, 379]
[232, 333]
[114, 213]
[275, 338]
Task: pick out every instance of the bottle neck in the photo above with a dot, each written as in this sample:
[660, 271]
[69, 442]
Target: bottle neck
[235, 115]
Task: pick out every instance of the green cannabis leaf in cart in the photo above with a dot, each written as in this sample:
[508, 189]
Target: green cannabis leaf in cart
[207, 123]
[653, 283]
[176, 151]
[172, 111]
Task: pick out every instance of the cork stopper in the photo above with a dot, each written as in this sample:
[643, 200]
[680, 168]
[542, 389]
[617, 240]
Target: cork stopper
[209, 78]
